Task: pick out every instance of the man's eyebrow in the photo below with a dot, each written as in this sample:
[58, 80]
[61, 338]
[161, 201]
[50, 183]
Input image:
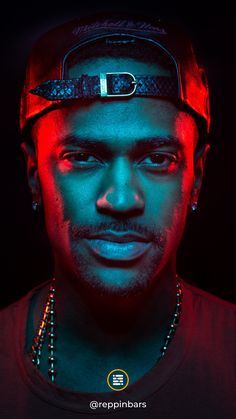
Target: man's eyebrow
[158, 141]
[84, 142]
[137, 145]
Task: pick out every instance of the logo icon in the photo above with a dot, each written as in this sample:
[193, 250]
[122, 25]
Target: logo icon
[117, 379]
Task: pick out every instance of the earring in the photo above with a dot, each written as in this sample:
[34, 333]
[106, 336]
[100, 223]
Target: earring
[35, 206]
[194, 206]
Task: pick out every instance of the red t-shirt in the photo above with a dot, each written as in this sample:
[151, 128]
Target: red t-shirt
[196, 379]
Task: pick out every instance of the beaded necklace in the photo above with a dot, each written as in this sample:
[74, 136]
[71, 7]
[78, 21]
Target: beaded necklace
[48, 324]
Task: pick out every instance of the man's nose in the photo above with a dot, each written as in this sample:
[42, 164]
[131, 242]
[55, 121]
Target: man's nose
[120, 193]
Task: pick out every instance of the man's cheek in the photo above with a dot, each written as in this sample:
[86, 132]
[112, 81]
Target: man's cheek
[78, 200]
[179, 202]
[53, 204]
[165, 198]
[66, 203]
[171, 204]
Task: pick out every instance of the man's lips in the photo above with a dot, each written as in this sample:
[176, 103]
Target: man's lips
[118, 246]
[119, 237]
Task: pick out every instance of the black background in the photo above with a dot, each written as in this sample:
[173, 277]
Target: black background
[207, 255]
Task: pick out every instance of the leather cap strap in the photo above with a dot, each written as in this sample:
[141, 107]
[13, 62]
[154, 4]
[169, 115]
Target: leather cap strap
[108, 85]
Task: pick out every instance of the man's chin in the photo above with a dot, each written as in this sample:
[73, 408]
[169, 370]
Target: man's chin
[116, 281]
[115, 289]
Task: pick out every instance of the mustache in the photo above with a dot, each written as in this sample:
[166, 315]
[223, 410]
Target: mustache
[86, 231]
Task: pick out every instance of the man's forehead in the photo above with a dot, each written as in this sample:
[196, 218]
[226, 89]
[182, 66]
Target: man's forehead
[117, 123]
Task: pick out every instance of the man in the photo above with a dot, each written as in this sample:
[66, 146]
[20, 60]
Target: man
[114, 120]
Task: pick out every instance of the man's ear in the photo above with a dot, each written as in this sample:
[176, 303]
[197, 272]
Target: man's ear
[32, 170]
[200, 156]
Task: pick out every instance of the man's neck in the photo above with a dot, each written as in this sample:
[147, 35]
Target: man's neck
[102, 335]
[105, 319]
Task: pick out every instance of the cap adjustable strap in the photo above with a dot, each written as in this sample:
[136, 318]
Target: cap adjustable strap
[120, 84]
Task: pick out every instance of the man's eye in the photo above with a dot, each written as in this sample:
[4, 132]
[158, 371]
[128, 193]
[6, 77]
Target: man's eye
[160, 161]
[80, 158]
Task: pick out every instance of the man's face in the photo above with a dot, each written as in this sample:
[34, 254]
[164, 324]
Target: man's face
[116, 178]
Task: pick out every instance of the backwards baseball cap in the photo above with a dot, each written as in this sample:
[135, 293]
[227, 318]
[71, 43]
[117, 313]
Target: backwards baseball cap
[47, 85]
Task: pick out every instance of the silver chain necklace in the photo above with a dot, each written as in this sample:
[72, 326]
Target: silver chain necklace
[47, 326]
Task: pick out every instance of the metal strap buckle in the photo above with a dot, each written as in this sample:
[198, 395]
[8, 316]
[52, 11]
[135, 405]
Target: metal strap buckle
[103, 85]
